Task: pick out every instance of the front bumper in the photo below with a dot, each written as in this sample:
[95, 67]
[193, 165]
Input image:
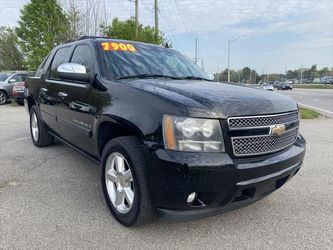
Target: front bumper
[222, 183]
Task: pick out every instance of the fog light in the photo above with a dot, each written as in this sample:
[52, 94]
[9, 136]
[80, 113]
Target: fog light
[191, 197]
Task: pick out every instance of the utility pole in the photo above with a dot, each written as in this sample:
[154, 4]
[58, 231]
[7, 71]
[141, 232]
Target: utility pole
[137, 19]
[156, 18]
[196, 51]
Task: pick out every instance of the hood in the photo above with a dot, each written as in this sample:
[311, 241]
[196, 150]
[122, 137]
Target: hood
[217, 100]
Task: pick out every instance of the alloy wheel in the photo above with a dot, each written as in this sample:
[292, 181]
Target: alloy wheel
[119, 182]
[3, 98]
[34, 126]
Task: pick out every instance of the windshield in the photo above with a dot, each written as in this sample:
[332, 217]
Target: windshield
[126, 59]
[4, 75]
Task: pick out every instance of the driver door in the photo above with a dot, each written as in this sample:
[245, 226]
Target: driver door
[48, 95]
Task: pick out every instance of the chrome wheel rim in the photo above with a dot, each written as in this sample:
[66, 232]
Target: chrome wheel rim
[34, 127]
[3, 98]
[119, 182]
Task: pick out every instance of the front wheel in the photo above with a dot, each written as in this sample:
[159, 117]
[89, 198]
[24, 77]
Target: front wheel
[3, 97]
[124, 181]
[39, 135]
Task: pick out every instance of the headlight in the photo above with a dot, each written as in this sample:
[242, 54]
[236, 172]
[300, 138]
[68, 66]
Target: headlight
[192, 134]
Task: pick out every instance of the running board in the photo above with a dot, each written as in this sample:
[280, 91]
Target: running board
[73, 147]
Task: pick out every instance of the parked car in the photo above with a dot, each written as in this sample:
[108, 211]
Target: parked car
[18, 93]
[267, 86]
[7, 80]
[306, 81]
[275, 84]
[284, 86]
[169, 141]
[327, 80]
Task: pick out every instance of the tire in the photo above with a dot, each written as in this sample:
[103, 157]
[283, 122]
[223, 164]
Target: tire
[41, 138]
[128, 212]
[3, 97]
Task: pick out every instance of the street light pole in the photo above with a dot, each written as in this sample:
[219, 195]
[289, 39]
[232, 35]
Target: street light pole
[229, 42]
[228, 61]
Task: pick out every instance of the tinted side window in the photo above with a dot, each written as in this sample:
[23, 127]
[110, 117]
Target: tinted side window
[59, 58]
[83, 55]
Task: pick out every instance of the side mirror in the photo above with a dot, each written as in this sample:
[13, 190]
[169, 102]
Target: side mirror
[12, 80]
[73, 71]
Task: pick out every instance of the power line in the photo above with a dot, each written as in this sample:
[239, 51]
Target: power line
[166, 24]
[187, 40]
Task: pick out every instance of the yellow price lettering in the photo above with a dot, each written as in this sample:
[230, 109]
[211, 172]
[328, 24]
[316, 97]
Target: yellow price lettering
[105, 46]
[115, 46]
[130, 47]
[122, 46]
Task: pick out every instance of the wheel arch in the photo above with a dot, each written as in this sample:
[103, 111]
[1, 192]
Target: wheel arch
[31, 102]
[112, 127]
[4, 90]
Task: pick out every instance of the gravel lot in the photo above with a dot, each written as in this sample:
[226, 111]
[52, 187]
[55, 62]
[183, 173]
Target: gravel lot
[51, 198]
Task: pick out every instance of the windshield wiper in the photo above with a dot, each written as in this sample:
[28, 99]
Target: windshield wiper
[144, 75]
[195, 78]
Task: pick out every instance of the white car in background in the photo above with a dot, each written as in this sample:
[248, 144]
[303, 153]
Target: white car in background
[327, 80]
[267, 86]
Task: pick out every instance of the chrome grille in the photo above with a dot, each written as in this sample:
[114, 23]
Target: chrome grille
[244, 143]
[255, 145]
[261, 121]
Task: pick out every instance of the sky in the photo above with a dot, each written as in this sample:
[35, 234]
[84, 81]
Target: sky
[276, 35]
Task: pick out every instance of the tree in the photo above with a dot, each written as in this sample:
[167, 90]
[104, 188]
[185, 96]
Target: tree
[74, 16]
[43, 26]
[85, 17]
[10, 54]
[245, 74]
[126, 30]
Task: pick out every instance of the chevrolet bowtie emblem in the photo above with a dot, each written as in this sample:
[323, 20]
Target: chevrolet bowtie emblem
[278, 129]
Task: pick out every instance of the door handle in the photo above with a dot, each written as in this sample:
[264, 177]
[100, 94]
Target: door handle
[43, 89]
[62, 94]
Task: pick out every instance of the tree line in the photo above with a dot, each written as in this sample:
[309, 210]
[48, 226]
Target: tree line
[46, 24]
[248, 75]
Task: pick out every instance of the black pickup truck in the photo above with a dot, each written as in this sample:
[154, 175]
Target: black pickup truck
[169, 141]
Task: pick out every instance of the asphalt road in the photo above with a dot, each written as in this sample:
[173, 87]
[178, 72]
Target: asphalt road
[51, 198]
[319, 99]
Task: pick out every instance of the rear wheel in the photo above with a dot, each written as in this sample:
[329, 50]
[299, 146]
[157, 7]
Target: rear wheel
[3, 97]
[124, 181]
[39, 135]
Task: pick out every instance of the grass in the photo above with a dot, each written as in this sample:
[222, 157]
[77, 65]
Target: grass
[308, 113]
[312, 86]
